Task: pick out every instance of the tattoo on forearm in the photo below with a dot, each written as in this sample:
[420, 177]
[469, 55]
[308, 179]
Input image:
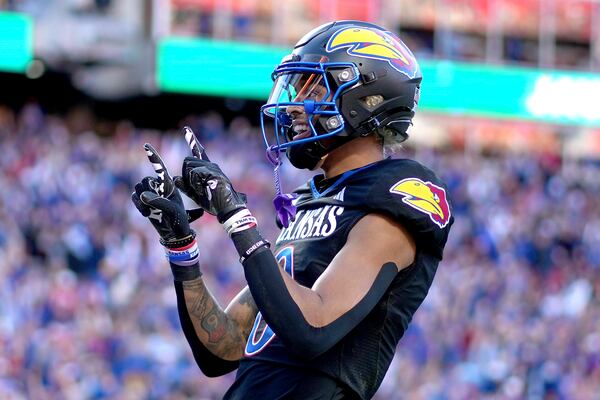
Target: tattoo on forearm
[223, 335]
[213, 321]
[247, 301]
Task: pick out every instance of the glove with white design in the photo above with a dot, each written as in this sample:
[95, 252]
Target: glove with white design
[205, 183]
[159, 200]
[210, 188]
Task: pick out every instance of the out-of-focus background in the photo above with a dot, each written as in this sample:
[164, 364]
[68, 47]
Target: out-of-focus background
[509, 117]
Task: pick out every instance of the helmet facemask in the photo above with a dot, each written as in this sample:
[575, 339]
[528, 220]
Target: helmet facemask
[304, 106]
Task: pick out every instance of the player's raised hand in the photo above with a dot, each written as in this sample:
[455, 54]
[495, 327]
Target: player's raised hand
[205, 183]
[198, 153]
[197, 149]
[158, 199]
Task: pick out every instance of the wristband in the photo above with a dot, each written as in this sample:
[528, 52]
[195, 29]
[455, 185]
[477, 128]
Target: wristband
[239, 222]
[184, 262]
[183, 256]
[177, 243]
[248, 243]
[261, 244]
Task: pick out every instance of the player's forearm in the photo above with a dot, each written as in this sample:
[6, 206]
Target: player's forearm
[210, 364]
[309, 302]
[280, 310]
[221, 335]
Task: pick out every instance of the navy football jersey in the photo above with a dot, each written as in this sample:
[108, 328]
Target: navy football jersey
[327, 210]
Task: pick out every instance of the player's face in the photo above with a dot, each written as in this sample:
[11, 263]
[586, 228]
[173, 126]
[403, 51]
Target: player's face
[291, 91]
[309, 87]
[300, 88]
[313, 91]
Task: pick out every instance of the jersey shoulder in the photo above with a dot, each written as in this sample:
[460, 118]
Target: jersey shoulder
[409, 190]
[402, 188]
[414, 196]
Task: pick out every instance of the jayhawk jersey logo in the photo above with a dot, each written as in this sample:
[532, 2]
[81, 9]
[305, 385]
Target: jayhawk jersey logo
[375, 44]
[425, 197]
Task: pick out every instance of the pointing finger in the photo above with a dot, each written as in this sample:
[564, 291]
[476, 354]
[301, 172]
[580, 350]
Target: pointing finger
[165, 185]
[195, 146]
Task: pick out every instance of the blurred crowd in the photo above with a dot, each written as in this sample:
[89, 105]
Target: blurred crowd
[87, 306]
[553, 33]
[550, 33]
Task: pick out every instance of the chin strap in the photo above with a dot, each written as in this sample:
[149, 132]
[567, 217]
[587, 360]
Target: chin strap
[283, 202]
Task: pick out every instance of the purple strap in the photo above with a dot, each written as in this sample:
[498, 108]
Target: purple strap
[286, 211]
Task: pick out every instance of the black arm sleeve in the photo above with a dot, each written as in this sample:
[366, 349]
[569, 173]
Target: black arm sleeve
[210, 365]
[283, 314]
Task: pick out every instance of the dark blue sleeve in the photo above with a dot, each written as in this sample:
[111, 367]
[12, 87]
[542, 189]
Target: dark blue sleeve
[283, 314]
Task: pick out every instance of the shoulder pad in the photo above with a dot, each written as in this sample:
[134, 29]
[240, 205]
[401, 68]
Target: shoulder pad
[405, 188]
[415, 197]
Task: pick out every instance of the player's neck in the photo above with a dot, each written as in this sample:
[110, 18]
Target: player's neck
[354, 154]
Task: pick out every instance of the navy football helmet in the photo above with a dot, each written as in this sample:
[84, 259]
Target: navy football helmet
[346, 79]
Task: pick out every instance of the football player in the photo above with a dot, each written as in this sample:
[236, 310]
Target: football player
[327, 303]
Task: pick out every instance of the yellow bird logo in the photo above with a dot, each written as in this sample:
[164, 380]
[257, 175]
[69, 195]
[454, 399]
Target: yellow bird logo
[375, 44]
[425, 197]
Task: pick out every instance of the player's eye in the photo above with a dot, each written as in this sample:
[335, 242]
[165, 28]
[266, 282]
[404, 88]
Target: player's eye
[316, 94]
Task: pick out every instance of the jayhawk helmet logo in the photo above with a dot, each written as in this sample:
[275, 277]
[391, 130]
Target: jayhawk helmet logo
[424, 197]
[375, 44]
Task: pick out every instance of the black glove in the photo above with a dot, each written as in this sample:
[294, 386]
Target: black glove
[159, 200]
[205, 183]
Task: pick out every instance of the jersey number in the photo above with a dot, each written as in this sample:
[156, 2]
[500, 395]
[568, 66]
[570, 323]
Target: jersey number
[261, 334]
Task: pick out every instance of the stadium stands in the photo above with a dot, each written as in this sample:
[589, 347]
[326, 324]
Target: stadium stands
[87, 308]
